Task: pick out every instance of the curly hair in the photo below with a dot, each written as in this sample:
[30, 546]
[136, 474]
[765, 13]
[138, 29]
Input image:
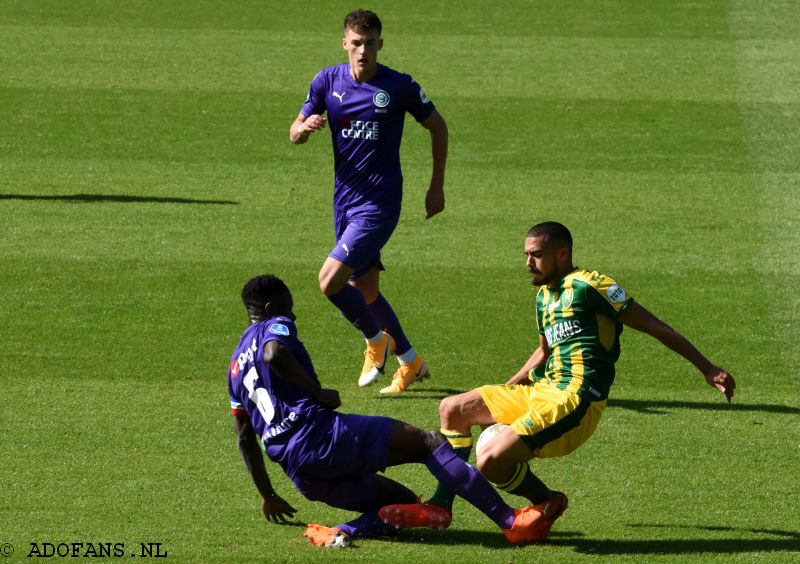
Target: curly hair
[262, 289]
[362, 19]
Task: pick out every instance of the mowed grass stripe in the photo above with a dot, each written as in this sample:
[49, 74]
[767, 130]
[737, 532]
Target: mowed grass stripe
[248, 61]
[192, 127]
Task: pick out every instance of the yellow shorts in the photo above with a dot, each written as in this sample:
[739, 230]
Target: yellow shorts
[551, 422]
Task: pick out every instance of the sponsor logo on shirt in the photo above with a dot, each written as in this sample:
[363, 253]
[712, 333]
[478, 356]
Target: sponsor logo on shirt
[561, 331]
[340, 96]
[381, 99]
[279, 329]
[360, 129]
[247, 356]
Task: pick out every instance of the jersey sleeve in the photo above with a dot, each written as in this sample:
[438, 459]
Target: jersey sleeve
[419, 105]
[315, 101]
[536, 316]
[237, 407]
[280, 329]
[606, 296]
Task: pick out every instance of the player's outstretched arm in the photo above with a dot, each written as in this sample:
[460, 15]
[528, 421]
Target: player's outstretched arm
[281, 359]
[434, 198]
[639, 318]
[273, 506]
[304, 126]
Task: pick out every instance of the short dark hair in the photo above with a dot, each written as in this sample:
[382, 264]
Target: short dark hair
[362, 19]
[262, 289]
[553, 232]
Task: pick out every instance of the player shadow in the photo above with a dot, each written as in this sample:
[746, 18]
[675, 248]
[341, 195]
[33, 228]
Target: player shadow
[645, 547]
[660, 407]
[90, 198]
[422, 393]
[790, 541]
[451, 537]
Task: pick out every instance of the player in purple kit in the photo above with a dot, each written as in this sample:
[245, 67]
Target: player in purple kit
[366, 105]
[279, 406]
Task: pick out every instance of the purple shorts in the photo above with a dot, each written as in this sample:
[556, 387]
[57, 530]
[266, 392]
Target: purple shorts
[360, 236]
[342, 471]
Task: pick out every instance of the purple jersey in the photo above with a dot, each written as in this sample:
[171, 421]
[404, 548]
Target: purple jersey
[366, 122]
[289, 422]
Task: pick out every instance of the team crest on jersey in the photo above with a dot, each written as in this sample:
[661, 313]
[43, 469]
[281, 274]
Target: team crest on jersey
[615, 294]
[381, 99]
[279, 329]
[566, 299]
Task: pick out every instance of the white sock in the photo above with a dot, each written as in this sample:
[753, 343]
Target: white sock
[408, 356]
[376, 338]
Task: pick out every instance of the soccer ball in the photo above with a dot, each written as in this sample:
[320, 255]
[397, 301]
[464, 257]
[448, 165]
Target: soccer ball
[488, 434]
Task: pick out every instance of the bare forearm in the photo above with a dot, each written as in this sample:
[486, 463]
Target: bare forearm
[673, 340]
[439, 146]
[297, 134]
[250, 450]
[538, 358]
[640, 319]
[304, 126]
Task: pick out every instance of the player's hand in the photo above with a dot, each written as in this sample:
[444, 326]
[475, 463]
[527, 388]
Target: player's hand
[314, 122]
[434, 201]
[329, 398]
[276, 509]
[520, 378]
[721, 380]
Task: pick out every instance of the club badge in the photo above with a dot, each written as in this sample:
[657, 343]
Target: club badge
[381, 99]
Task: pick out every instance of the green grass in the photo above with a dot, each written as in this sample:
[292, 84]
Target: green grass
[146, 174]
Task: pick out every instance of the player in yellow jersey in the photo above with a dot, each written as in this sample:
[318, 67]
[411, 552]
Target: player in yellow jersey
[553, 404]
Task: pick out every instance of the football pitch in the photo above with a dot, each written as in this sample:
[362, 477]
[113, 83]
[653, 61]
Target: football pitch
[146, 174]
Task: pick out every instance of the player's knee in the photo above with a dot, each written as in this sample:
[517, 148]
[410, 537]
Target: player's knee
[329, 283]
[446, 407]
[490, 462]
[450, 411]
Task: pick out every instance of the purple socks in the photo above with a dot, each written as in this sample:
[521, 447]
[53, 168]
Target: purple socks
[383, 313]
[458, 476]
[352, 305]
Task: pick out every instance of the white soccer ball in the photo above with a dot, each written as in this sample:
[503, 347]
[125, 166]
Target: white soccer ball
[488, 434]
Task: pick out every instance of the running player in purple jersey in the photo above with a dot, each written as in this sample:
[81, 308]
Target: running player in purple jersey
[366, 104]
[279, 406]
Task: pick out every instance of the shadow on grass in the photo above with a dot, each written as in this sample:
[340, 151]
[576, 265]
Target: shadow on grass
[758, 543]
[89, 198]
[646, 406]
[607, 547]
[423, 393]
[450, 538]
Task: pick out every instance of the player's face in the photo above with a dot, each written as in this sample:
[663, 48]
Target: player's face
[282, 304]
[362, 46]
[542, 261]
